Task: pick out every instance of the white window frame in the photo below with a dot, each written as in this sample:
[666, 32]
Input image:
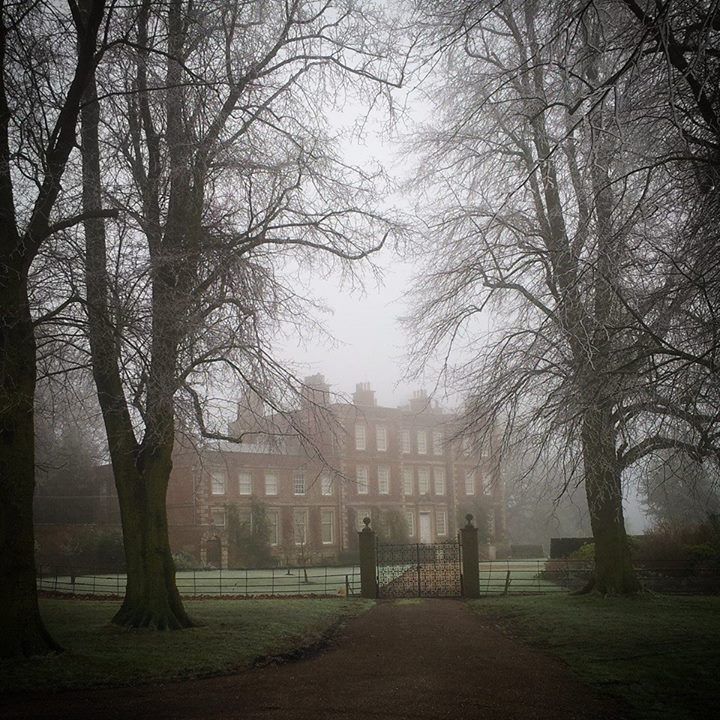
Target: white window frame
[441, 528]
[410, 520]
[220, 511]
[245, 481]
[362, 479]
[439, 483]
[360, 437]
[326, 484]
[422, 442]
[218, 479]
[469, 482]
[271, 481]
[437, 441]
[381, 438]
[299, 487]
[383, 480]
[405, 441]
[408, 477]
[423, 474]
[300, 513]
[274, 525]
[324, 524]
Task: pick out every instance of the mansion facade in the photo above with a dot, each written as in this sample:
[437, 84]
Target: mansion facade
[403, 467]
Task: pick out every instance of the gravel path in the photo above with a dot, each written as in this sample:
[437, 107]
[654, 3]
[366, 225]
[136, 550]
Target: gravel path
[402, 659]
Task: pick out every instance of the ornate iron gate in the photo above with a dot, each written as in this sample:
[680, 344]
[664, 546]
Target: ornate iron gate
[419, 570]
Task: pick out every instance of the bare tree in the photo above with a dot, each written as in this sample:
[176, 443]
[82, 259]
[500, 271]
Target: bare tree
[216, 152]
[557, 210]
[40, 97]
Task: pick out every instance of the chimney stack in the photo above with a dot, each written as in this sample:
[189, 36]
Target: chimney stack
[364, 395]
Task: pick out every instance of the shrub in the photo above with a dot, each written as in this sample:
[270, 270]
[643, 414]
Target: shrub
[691, 544]
[184, 561]
[249, 536]
[95, 550]
[584, 552]
[566, 546]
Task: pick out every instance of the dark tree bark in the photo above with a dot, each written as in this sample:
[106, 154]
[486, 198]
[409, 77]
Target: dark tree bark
[22, 632]
[141, 470]
[614, 573]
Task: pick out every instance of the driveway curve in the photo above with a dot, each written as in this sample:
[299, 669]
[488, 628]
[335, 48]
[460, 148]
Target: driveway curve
[402, 659]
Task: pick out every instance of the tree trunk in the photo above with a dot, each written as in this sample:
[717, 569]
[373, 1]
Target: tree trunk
[614, 572]
[22, 632]
[141, 472]
[151, 596]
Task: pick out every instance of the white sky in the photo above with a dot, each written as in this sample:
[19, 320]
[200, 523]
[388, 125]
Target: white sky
[370, 343]
[365, 321]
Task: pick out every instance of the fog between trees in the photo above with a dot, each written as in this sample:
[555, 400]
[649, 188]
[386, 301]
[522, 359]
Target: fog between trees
[163, 164]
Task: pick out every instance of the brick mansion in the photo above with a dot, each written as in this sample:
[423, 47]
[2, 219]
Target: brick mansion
[349, 460]
[373, 461]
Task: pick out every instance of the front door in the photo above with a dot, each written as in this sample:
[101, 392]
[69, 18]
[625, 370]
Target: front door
[425, 530]
[214, 552]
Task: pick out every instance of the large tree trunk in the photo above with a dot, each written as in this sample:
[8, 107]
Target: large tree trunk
[151, 596]
[22, 632]
[614, 572]
[141, 471]
[21, 629]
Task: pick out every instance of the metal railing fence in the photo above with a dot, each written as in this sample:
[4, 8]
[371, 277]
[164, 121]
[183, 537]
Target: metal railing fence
[272, 582]
[497, 577]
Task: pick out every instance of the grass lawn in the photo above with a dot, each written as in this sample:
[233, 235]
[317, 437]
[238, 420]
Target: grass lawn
[659, 653]
[233, 634]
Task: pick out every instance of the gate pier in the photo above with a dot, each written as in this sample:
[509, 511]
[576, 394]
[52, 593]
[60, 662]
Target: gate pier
[448, 569]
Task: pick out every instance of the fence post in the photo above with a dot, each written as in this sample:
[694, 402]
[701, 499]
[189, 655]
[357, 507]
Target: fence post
[368, 561]
[470, 559]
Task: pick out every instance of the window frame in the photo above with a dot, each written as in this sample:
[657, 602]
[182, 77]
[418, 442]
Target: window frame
[300, 512]
[276, 478]
[406, 441]
[381, 439]
[324, 524]
[408, 478]
[410, 521]
[422, 444]
[362, 486]
[215, 477]
[360, 436]
[383, 479]
[274, 527]
[439, 480]
[441, 514]
[299, 482]
[326, 484]
[438, 438]
[470, 482]
[248, 475]
[423, 474]
[223, 511]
